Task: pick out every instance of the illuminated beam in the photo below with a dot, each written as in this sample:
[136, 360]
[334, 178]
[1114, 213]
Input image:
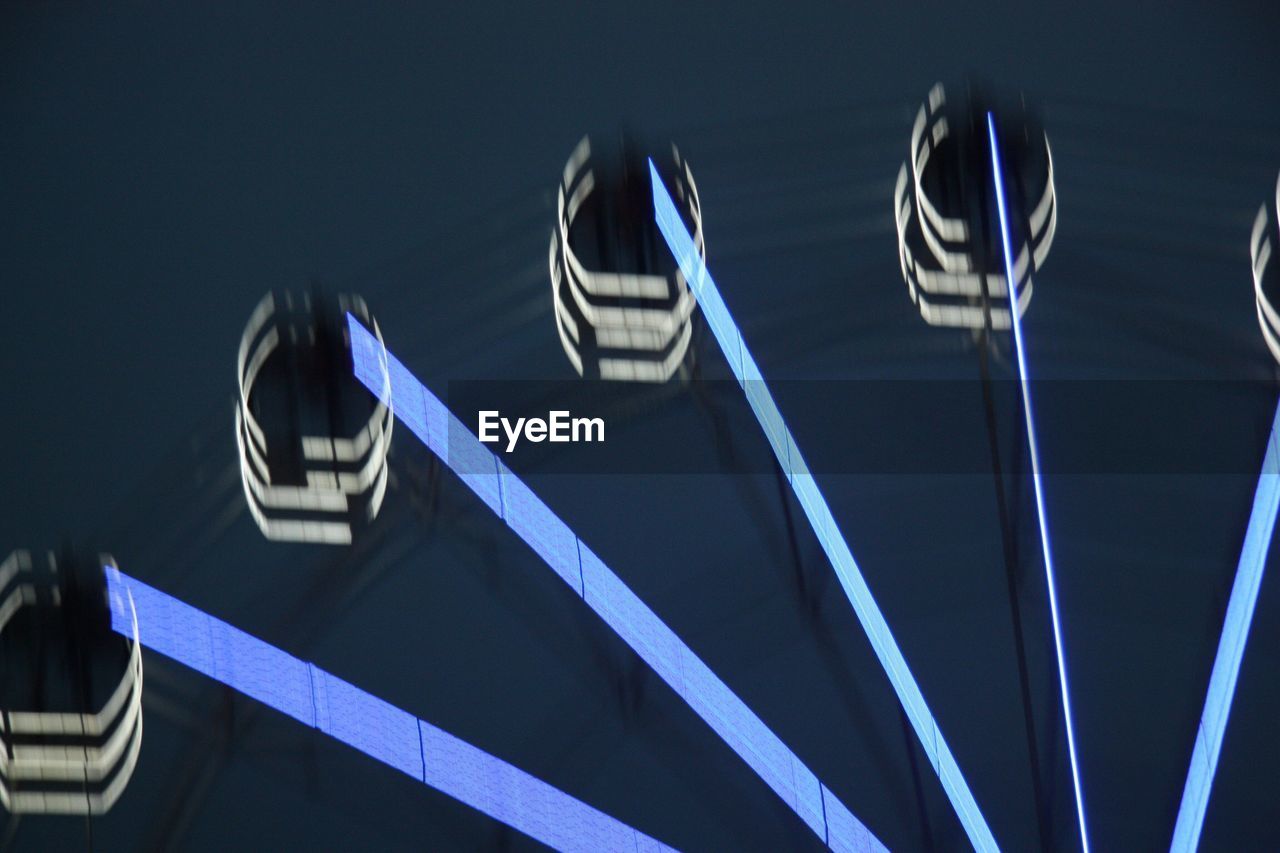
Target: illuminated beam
[1226, 665]
[820, 518]
[605, 593]
[998, 178]
[346, 713]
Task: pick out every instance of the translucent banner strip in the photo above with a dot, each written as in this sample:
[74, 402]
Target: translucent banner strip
[1036, 479]
[819, 514]
[376, 728]
[1226, 665]
[552, 540]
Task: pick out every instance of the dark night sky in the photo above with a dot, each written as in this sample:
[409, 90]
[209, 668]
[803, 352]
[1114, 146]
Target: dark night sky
[161, 166]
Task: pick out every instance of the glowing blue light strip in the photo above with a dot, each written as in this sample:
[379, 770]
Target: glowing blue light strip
[819, 515]
[345, 712]
[569, 557]
[998, 177]
[1226, 665]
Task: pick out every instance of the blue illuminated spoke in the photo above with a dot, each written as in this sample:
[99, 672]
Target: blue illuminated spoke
[1016, 322]
[346, 713]
[605, 593]
[1226, 665]
[819, 515]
